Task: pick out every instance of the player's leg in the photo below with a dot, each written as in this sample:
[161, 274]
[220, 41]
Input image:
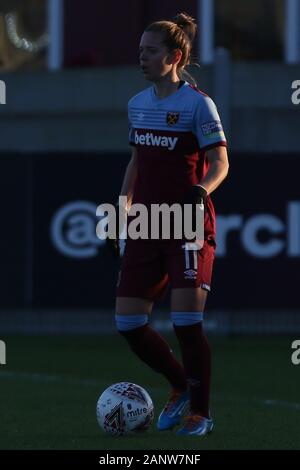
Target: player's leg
[187, 315]
[132, 322]
[133, 306]
[187, 306]
[190, 273]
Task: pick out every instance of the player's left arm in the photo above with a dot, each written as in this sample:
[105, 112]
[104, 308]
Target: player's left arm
[208, 128]
[218, 168]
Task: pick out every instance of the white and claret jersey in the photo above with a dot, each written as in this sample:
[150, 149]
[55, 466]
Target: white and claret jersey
[171, 136]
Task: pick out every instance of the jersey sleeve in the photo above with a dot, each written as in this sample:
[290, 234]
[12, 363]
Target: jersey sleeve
[207, 125]
[130, 128]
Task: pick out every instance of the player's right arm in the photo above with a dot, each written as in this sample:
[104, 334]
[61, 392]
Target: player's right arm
[126, 190]
[130, 178]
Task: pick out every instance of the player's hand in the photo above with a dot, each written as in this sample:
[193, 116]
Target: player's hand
[113, 243]
[196, 195]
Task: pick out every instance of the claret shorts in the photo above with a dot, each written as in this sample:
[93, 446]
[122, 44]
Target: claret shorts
[150, 266]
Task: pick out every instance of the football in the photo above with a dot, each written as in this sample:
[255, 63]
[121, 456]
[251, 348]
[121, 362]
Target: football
[124, 408]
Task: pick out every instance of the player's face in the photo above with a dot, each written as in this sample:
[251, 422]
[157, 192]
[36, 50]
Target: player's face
[155, 58]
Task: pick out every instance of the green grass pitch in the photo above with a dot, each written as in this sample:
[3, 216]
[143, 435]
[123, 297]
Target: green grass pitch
[50, 385]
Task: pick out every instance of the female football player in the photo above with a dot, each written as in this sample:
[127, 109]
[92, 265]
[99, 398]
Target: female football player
[179, 156]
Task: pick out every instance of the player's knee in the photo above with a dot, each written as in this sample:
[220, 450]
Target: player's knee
[186, 318]
[127, 323]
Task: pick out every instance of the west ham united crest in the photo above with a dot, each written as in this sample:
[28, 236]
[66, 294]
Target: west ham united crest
[172, 118]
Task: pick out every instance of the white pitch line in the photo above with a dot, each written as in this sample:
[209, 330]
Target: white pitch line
[45, 378]
[286, 404]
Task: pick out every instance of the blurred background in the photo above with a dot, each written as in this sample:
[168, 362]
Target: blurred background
[69, 71]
